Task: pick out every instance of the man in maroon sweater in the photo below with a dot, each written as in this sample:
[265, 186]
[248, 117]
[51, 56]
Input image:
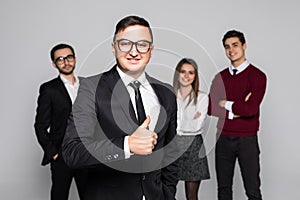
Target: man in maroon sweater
[235, 97]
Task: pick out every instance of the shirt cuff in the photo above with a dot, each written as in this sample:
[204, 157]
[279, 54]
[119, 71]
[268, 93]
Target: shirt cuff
[228, 105]
[126, 148]
[230, 115]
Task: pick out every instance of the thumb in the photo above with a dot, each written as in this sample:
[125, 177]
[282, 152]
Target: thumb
[146, 123]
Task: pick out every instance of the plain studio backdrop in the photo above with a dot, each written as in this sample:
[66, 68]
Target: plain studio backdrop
[29, 29]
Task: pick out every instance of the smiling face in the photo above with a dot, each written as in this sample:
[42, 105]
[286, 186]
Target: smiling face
[186, 75]
[235, 50]
[132, 62]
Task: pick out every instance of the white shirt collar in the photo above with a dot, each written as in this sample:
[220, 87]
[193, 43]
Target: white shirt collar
[66, 81]
[128, 79]
[180, 97]
[240, 68]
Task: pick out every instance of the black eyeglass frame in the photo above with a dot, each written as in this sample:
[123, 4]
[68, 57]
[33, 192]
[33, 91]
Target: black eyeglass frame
[134, 43]
[60, 60]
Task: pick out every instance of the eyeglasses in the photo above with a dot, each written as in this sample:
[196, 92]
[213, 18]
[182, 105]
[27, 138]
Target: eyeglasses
[60, 60]
[142, 46]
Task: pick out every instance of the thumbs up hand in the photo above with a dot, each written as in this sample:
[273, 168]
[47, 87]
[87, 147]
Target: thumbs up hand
[142, 141]
[146, 123]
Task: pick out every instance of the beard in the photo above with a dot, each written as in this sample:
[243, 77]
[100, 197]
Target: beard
[64, 72]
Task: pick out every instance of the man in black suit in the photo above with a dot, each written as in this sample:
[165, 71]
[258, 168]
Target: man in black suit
[54, 106]
[129, 156]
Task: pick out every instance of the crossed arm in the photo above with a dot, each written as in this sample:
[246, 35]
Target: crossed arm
[222, 103]
[246, 106]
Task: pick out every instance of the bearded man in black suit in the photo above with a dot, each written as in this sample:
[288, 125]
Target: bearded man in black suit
[54, 106]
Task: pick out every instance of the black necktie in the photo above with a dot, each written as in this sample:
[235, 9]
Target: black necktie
[138, 102]
[234, 71]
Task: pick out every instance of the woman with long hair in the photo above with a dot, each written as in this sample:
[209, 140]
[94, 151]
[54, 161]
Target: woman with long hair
[191, 114]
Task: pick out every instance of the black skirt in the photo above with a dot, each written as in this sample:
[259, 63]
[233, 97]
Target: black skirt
[193, 165]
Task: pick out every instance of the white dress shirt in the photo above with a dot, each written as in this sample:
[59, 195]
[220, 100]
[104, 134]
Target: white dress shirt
[149, 98]
[186, 124]
[72, 89]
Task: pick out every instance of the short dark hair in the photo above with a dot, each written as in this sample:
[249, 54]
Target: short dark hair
[234, 33]
[131, 21]
[58, 47]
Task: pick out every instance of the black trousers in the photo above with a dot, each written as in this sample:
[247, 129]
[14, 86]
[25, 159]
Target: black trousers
[246, 151]
[61, 176]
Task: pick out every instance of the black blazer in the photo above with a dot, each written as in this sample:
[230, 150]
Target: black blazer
[53, 109]
[102, 116]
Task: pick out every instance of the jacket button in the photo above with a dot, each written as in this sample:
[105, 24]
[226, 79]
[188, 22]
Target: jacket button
[143, 177]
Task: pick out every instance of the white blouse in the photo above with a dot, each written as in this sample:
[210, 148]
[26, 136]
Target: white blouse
[186, 125]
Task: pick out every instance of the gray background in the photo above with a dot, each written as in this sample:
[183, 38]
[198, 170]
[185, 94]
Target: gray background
[30, 28]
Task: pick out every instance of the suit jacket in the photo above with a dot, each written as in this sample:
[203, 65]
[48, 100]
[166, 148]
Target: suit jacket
[53, 109]
[101, 118]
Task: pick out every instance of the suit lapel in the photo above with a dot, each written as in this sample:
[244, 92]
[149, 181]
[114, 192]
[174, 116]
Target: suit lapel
[63, 90]
[120, 96]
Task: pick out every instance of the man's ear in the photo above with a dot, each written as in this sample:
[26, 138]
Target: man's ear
[54, 65]
[244, 46]
[151, 50]
[113, 49]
